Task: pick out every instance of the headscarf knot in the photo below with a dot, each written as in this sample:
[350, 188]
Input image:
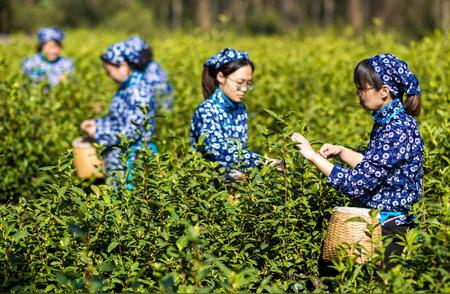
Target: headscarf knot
[225, 56]
[395, 74]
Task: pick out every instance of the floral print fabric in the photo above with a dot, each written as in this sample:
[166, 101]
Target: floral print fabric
[127, 118]
[157, 78]
[225, 56]
[223, 126]
[396, 74]
[38, 68]
[390, 175]
[50, 33]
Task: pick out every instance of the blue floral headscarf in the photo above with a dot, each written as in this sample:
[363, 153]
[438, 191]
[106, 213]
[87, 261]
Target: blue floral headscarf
[50, 33]
[396, 74]
[225, 56]
[128, 50]
[136, 43]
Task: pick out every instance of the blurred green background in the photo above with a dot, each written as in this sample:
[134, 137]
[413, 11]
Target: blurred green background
[413, 18]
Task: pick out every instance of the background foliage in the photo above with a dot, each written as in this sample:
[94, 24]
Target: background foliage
[413, 17]
[184, 228]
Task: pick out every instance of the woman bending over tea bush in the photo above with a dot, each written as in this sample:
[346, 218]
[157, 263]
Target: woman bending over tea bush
[47, 64]
[132, 109]
[158, 80]
[219, 127]
[388, 175]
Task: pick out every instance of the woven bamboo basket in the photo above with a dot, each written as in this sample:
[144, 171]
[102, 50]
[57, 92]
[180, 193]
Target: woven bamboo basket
[347, 228]
[86, 162]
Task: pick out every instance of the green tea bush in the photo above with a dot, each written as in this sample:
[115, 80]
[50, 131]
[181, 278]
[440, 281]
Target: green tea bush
[184, 227]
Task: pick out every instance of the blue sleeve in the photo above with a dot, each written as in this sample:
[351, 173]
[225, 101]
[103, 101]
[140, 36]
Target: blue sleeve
[32, 70]
[128, 120]
[165, 92]
[386, 154]
[163, 87]
[70, 66]
[227, 151]
[107, 130]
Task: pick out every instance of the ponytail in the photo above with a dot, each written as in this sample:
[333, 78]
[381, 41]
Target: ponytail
[208, 83]
[412, 105]
[145, 57]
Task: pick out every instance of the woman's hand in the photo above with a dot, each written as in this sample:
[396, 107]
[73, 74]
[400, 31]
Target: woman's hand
[315, 158]
[237, 175]
[88, 126]
[97, 107]
[303, 146]
[329, 150]
[62, 78]
[275, 163]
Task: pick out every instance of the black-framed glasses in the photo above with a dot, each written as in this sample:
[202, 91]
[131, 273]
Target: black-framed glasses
[249, 85]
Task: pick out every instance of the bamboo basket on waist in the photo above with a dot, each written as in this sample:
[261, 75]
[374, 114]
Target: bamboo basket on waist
[86, 162]
[347, 229]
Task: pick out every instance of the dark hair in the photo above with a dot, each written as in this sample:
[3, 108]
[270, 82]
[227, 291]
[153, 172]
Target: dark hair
[145, 57]
[209, 82]
[41, 45]
[365, 75]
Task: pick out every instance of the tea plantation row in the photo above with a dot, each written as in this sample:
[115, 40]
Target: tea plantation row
[184, 228]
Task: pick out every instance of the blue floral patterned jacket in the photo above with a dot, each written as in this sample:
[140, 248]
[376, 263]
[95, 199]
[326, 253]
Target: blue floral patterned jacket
[126, 118]
[38, 68]
[157, 78]
[390, 175]
[223, 124]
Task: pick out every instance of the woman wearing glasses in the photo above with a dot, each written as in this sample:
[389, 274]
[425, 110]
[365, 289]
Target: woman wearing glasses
[219, 125]
[388, 176]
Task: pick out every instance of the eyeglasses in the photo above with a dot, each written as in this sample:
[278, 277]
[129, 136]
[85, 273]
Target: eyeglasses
[249, 85]
[360, 91]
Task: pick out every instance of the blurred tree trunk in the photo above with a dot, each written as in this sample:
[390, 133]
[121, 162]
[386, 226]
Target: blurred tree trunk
[415, 18]
[436, 11]
[441, 13]
[238, 9]
[328, 15]
[164, 10]
[203, 14]
[446, 15]
[315, 11]
[177, 13]
[289, 10]
[301, 12]
[5, 12]
[257, 7]
[214, 11]
[385, 10]
[356, 14]
[272, 4]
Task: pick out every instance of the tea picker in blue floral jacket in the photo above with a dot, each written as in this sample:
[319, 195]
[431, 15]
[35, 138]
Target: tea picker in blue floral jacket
[48, 64]
[219, 127]
[131, 108]
[156, 77]
[388, 176]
